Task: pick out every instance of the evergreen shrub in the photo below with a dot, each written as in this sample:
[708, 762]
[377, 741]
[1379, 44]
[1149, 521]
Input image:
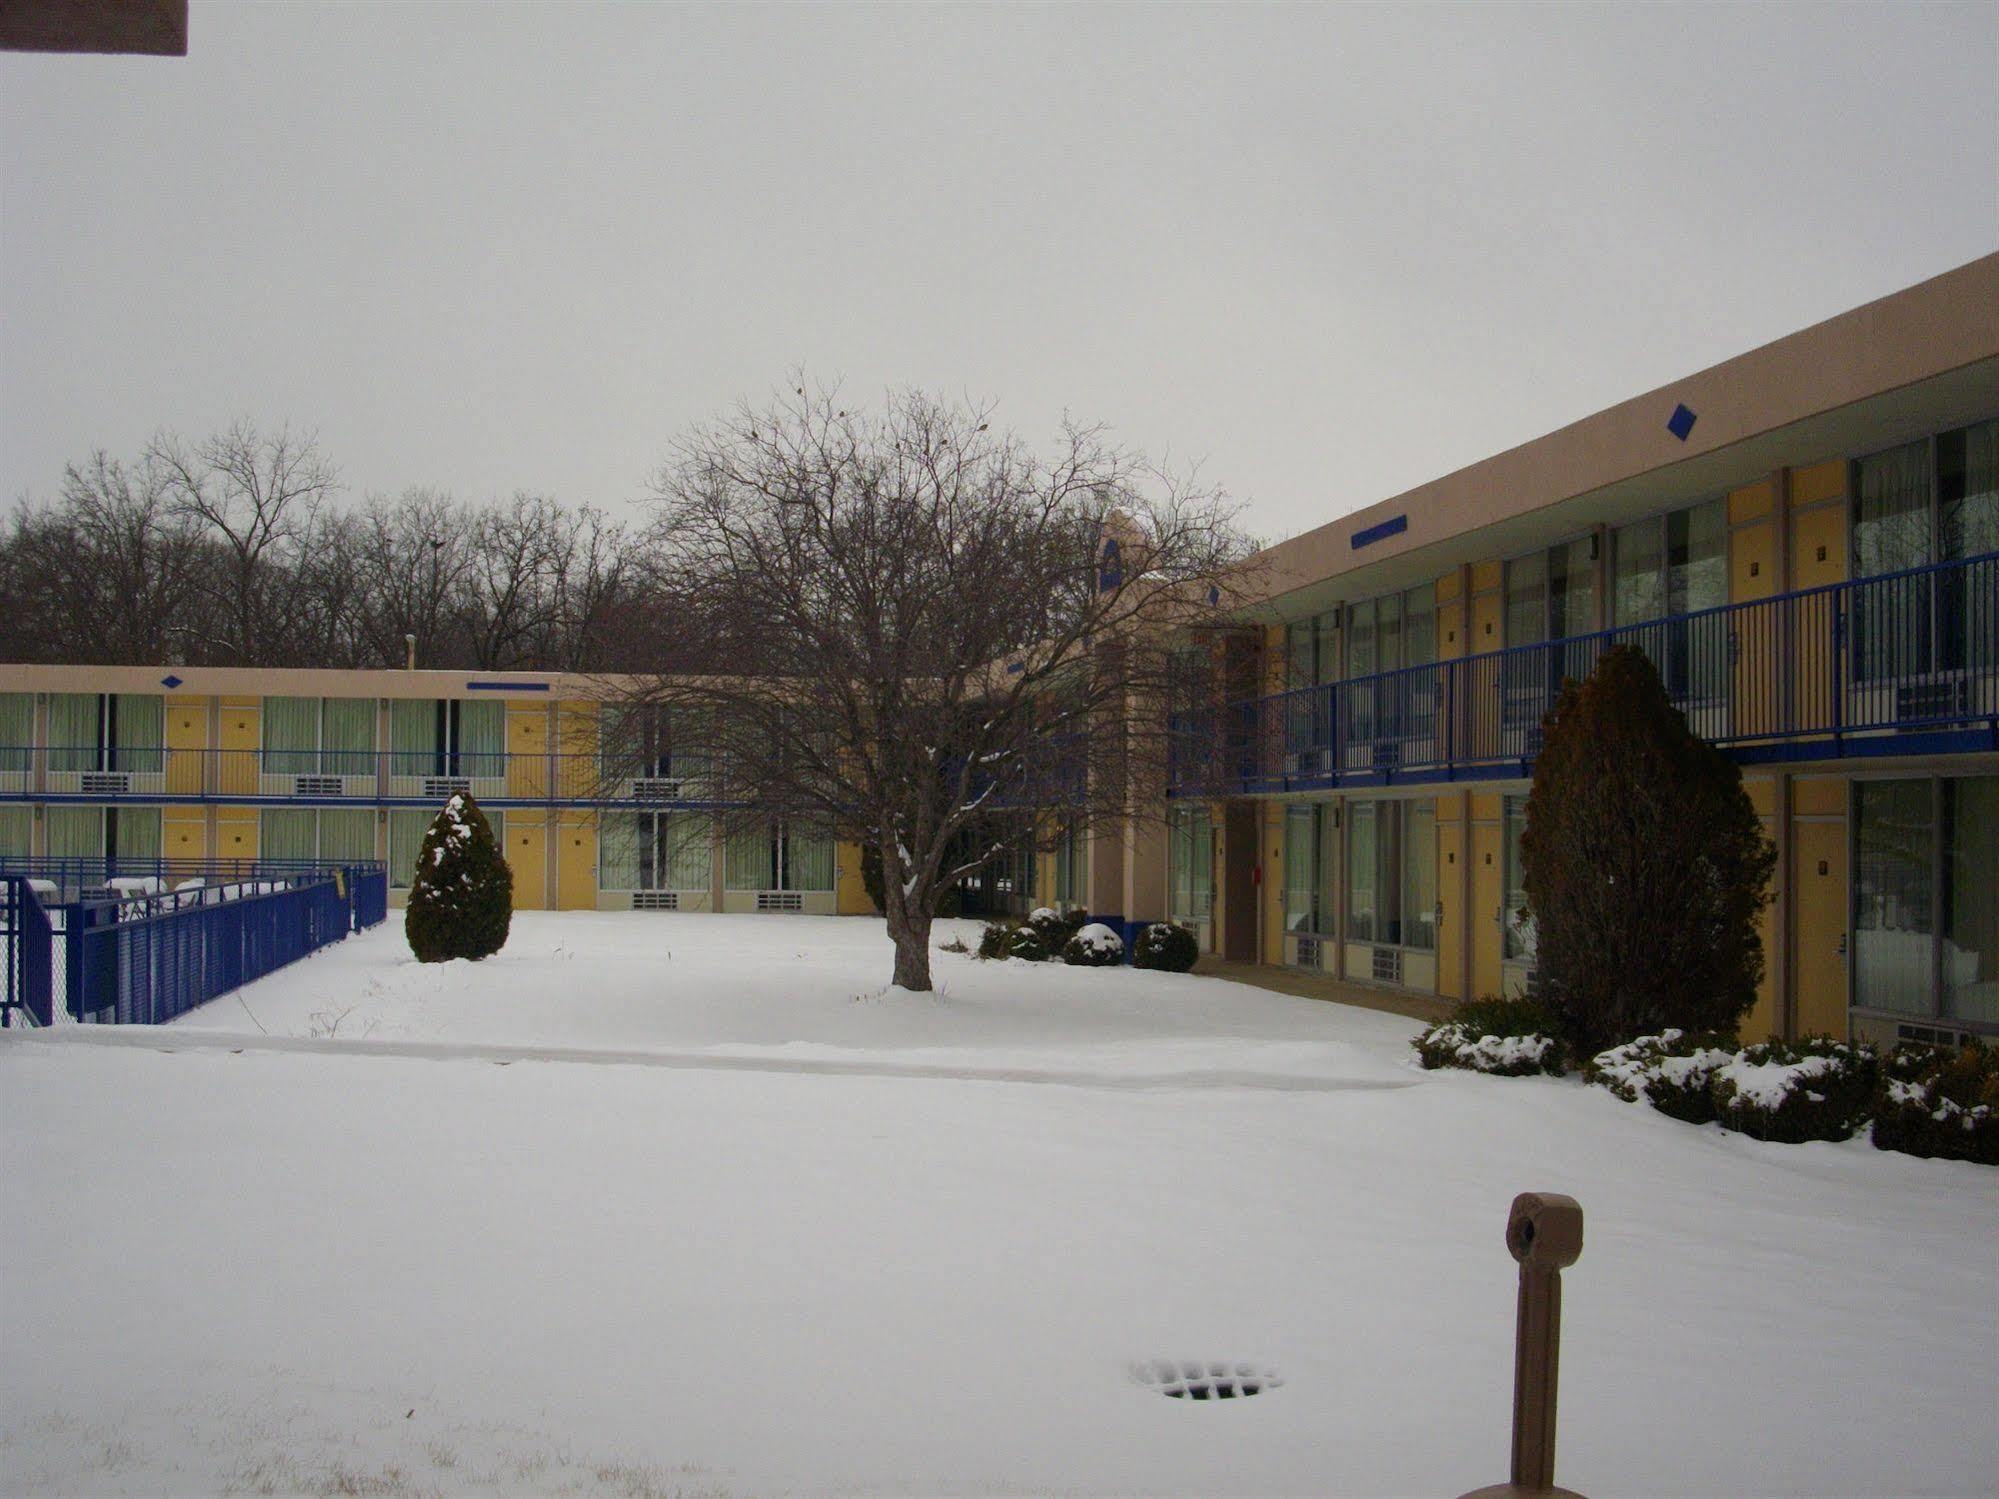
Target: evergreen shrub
[993, 939]
[1646, 866]
[1673, 1071]
[1938, 1102]
[1056, 928]
[1025, 943]
[461, 901]
[1503, 1037]
[1165, 947]
[1094, 946]
[1814, 1089]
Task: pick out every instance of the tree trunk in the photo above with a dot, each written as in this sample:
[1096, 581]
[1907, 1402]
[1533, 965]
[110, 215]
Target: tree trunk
[909, 929]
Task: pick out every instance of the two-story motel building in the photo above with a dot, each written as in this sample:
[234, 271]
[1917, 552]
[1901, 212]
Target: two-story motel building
[1804, 538]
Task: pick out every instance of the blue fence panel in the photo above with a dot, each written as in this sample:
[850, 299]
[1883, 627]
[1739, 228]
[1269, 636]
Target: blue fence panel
[368, 891]
[143, 963]
[27, 951]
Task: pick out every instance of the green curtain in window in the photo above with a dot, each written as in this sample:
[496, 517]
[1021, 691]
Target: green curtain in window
[811, 860]
[138, 833]
[291, 736]
[73, 727]
[288, 833]
[1362, 857]
[347, 736]
[618, 835]
[482, 739]
[141, 732]
[347, 836]
[413, 737]
[686, 849]
[17, 831]
[17, 729]
[74, 832]
[406, 830]
[747, 864]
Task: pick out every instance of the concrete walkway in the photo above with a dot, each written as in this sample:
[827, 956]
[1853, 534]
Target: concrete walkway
[1424, 1007]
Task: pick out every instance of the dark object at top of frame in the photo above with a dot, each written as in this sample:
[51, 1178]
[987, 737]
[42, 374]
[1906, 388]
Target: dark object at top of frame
[154, 28]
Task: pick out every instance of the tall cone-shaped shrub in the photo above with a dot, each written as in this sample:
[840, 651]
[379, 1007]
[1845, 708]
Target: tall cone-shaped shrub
[462, 893]
[1646, 868]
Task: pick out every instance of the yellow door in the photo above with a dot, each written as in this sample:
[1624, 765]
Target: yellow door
[527, 856]
[1487, 896]
[576, 862]
[1819, 965]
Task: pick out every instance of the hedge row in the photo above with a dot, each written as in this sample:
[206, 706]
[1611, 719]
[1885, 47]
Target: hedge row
[1922, 1100]
[1081, 943]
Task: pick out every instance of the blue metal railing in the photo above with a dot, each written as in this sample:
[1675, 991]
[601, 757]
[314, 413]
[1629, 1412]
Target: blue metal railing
[27, 952]
[1857, 667]
[143, 967]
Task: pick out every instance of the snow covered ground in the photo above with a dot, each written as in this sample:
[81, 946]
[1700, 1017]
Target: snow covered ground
[654, 1205]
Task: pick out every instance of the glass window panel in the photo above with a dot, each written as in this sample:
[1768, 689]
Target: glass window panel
[1419, 625]
[73, 731]
[1300, 870]
[810, 859]
[288, 833]
[1519, 931]
[406, 829]
[747, 862]
[1389, 913]
[1971, 898]
[17, 831]
[1326, 645]
[347, 836]
[1638, 589]
[686, 849]
[1968, 479]
[17, 729]
[413, 746]
[1299, 645]
[137, 833]
[1697, 558]
[140, 731]
[1327, 831]
[1891, 523]
[74, 832]
[482, 738]
[347, 739]
[1363, 852]
[291, 736]
[1571, 590]
[1894, 920]
[1419, 875]
[1388, 632]
[1527, 600]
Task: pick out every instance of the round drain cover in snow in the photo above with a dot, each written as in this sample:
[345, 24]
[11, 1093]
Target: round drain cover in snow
[1211, 1380]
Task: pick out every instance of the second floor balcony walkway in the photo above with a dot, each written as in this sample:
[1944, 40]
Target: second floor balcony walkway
[1901, 664]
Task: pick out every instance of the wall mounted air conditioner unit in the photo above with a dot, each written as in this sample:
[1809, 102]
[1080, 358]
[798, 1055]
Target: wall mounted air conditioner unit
[1387, 965]
[446, 785]
[1308, 952]
[1944, 697]
[780, 900]
[1387, 753]
[318, 786]
[655, 789]
[104, 782]
[655, 900]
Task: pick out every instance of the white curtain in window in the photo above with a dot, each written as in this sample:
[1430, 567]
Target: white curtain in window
[413, 737]
[141, 731]
[73, 730]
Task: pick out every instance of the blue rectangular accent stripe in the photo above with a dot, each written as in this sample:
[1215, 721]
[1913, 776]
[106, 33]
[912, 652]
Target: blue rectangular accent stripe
[1395, 525]
[506, 686]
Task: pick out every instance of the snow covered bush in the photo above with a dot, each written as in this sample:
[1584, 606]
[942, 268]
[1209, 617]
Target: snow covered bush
[1168, 948]
[1673, 1071]
[1053, 928]
[1937, 1102]
[1095, 946]
[1505, 1037]
[1025, 943]
[461, 900]
[993, 939]
[1815, 1089]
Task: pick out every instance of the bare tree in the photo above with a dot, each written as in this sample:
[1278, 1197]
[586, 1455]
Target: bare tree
[258, 496]
[414, 569]
[928, 622]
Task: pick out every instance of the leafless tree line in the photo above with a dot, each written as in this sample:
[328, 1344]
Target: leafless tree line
[238, 551]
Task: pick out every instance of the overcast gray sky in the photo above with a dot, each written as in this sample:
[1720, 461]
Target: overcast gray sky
[1329, 252]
